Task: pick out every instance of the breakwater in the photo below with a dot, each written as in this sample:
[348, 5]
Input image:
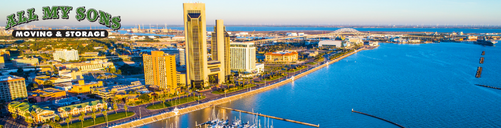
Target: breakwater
[488, 86]
[377, 118]
[181, 111]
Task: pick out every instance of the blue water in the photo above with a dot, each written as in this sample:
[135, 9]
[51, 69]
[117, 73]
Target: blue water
[426, 85]
[248, 28]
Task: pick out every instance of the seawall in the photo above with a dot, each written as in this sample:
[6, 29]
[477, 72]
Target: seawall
[181, 111]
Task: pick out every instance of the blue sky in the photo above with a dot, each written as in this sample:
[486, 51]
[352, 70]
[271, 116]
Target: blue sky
[278, 12]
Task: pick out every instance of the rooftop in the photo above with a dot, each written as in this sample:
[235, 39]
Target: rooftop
[281, 53]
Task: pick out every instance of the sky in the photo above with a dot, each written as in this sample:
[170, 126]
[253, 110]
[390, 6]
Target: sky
[277, 12]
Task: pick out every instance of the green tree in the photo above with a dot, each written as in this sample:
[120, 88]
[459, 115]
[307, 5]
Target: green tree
[70, 116]
[94, 115]
[105, 113]
[115, 107]
[125, 108]
[57, 118]
[68, 122]
[81, 117]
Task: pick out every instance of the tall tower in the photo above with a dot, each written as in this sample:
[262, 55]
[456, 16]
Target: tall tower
[220, 49]
[160, 70]
[196, 44]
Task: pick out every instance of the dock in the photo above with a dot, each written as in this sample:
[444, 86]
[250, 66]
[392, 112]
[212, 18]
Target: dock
[479, 72]
[378, 118]
[272, 117]
[488, 86]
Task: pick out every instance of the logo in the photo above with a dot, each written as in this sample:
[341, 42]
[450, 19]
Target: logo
[92, 15]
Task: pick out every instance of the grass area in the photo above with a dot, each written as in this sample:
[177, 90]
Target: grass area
[297, 69]
[175, 102]
[234, 89]
[139, 102]
[311, 63]
[273, 78]
[99, 120]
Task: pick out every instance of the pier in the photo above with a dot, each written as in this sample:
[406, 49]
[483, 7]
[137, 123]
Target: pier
[481, 60]
[377, 118]
[488, 86]
[479, 72]
[272, 117]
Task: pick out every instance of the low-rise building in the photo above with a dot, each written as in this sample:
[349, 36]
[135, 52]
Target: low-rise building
[34, 112]
[64, 54]
[90, 65]
[83, 87]
[85, 107]
[330, 43]
[46, 94]
[281, 57]
[25, 62]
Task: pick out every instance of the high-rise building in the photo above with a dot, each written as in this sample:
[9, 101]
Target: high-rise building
[160, 70]
[179, 52]
[65, 54]
[12, 88]
[196, 44]
[243, 56]
[220, 49]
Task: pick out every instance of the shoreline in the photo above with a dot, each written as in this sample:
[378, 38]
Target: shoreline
[182, 111]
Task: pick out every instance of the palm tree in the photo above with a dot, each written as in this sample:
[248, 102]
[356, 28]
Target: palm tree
[28, 119]
[105, 113]
[68, 122]
[81, 117]
[163, 101]
[115, 107]
[94, 115]
[69, 117]
[125, 108]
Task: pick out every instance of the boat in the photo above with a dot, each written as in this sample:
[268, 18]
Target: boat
[485, 41]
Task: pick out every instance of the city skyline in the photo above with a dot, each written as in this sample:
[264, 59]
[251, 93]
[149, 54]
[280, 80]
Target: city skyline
[281, 13]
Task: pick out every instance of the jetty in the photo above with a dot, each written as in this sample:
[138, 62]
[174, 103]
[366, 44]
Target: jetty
[479, 72]
[488, 86]
[378, 118]
[272, 117]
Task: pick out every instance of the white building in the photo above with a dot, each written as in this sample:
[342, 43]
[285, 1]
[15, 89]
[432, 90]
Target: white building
[291, 34]
[330, 43]
[65, 54]
[242, 56]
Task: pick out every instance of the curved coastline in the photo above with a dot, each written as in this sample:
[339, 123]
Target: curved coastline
[181, 111]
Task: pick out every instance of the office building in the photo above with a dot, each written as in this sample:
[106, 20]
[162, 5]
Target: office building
[220, 49]
[160, 70]
[64, 54]
[12, 88]
[243, 56]
[196, 44]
